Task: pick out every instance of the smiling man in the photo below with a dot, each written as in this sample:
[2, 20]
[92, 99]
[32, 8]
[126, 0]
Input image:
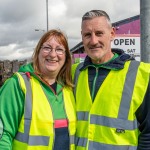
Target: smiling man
[113, 109]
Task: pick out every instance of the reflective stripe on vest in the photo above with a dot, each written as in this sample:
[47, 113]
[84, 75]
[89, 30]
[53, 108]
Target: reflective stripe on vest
[106, 121]
[120, 123]
[100, 146]
[129, 82]
[25, 137]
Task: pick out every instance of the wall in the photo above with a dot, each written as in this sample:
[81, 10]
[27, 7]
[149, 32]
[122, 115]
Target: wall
[8, 68]
[129, 28]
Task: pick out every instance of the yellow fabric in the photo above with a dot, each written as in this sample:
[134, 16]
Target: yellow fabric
[42, 123]
[107, 103]
[73, 69]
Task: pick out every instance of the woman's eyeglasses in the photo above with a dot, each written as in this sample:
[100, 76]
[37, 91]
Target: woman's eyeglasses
[48, 49]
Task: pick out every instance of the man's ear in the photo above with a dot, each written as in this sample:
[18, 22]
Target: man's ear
[113, 33]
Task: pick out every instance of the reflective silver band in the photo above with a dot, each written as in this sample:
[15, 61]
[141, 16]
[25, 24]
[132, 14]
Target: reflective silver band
[113, 122]
[72, 139]
[108, 122]
[82, 115]
[128, 90]
[102, 146]
[81, 141]
[32, 140]
[28, 105]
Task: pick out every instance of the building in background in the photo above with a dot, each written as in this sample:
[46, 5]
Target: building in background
[127, 38]
[8, 68]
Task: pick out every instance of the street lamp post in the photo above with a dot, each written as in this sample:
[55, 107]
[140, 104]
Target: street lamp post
[47, 13]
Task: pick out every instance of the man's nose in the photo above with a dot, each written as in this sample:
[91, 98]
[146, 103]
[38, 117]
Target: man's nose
[94, 39]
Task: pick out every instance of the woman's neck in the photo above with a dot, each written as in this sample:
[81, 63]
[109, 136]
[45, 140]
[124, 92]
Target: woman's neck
[50, 80]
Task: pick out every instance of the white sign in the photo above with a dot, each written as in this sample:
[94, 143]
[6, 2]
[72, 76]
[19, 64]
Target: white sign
[129, 43]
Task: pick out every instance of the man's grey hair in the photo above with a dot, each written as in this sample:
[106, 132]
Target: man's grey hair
[95, 13]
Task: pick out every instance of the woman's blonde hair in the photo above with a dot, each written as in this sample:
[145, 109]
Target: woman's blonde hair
[64, 75]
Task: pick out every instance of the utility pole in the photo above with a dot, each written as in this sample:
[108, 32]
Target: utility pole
[47, 14]
[145, 30]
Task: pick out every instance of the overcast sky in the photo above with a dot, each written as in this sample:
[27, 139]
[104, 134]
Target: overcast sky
[20, 18]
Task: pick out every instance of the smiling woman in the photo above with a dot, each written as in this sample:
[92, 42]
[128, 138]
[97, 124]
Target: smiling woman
[45, 58]
[42, 94]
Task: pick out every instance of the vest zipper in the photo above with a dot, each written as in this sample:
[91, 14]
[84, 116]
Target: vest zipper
[93, 86]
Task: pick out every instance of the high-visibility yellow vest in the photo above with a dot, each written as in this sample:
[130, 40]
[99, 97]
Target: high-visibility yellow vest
[109, 123]
[36, 129]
